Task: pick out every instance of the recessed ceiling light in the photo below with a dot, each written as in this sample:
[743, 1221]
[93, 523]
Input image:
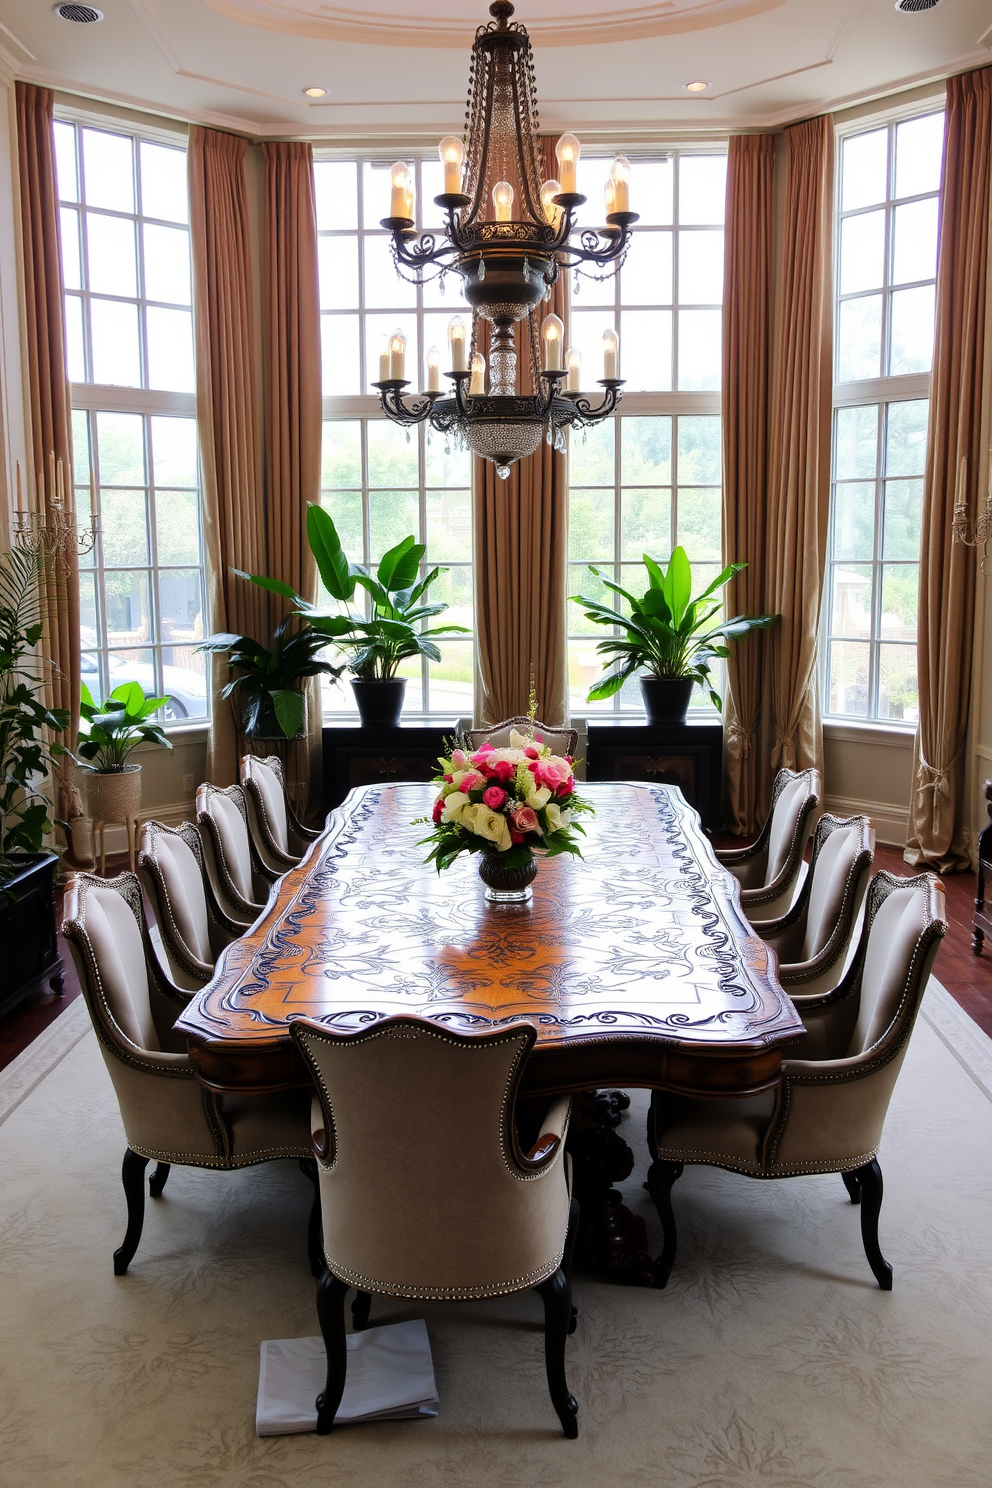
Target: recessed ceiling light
[697, 87]
[315, 92]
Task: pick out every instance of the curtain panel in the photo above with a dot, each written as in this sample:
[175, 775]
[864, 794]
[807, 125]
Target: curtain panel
[226, 410]
[293, 406]
[50, 417]
[747, 299]
[799, 453]
[938, 835]
[521, 554]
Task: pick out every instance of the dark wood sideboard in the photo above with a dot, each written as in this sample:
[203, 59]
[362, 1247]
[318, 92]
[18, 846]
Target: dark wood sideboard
[688, 755]
[356, 756]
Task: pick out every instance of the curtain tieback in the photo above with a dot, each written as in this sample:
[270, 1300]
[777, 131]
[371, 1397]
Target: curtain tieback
[937, 782]
[738, 734]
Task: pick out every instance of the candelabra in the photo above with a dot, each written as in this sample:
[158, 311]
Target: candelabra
[51, 531]
[961, 526]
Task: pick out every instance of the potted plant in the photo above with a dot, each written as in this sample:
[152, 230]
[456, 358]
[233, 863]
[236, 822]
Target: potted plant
[269, 683]
[375, 644]
[109, 731]
[27, 905]
[671, 637]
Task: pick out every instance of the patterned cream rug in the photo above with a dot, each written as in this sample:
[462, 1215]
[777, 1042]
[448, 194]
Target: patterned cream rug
[771, 1361]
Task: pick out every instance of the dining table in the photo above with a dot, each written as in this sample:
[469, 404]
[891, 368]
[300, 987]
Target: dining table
[634, 963]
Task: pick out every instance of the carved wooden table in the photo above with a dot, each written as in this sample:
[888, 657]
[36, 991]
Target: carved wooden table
[635, 964]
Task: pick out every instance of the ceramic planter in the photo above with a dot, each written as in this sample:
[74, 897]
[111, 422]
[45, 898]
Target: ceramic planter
[380, 702]
[666, 699]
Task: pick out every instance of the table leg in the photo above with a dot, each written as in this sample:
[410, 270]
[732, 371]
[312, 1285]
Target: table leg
[611, 1240]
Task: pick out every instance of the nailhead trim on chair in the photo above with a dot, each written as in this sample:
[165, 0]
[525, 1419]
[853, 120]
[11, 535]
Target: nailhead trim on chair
[233, 793]
[148, 860]
[445, 1294]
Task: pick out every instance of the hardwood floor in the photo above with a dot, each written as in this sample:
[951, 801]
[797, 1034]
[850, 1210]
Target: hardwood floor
[967, 977]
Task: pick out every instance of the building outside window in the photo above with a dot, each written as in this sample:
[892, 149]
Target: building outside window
[126, 266]
[886, 258]
[649, 479]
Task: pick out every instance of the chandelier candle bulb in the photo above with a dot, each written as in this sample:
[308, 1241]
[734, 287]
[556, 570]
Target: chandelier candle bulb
[549, 190]
[611, 347]
[503, 201]
[609, 196]
[458, 345]
[552, 333]
[620, 180]
[384, 359]
[433, 370]
[477, 386]
[573, 366]
[401, 195]
[397, 356]
[568, 151]
[452, 153]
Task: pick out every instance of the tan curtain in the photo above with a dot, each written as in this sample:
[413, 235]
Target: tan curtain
[226, 403]
[938, 834]
[51, 422]
[746, 375]
[521, 552]
[293, 401]
[799, 453]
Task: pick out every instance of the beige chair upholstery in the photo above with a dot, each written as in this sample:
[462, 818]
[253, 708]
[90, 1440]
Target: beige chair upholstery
[770, 870]
[172, 872]
[424, 1190]
[828, 1113]
[237, 880]
[279, 838]
[813, 939]
[562, 740]
[169, 1117]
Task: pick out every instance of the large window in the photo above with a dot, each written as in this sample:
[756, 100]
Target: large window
[649, 479]
[381, 482]
[126, 266]
[887, 210]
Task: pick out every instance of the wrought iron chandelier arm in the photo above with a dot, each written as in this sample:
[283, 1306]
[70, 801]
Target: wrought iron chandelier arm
[417, 253]
[404, 411]
[600, 246]
[583, 411]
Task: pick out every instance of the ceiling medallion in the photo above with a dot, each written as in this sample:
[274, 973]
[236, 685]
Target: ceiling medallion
[507, 235]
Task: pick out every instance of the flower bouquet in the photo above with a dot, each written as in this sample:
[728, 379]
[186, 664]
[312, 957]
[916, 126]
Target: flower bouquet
[505, 803]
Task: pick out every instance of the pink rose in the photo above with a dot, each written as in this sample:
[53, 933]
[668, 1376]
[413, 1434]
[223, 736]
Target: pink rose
[494, 798]
[525, 819]
[438, 808]
[503, 770]
[532, 753]
[480, 754]
[459, 757]
[516, 837]
[552, 773]
[471, 781]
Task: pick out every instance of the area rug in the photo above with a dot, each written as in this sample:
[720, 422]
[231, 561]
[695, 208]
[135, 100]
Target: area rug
[771, 1361]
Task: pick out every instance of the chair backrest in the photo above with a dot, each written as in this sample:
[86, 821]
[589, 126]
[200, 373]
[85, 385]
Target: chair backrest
[262, 780]
[171, 860]
[224, 814]
[904, 921]
[843, 849]
[424, 1191]
[104, 922]
[562, 740]
[794, 798]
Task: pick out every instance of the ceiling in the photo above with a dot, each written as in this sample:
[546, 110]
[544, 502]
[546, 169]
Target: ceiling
[390, 70]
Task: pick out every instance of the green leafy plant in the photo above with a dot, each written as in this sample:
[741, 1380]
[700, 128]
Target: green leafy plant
[110, 730]
[375, 644]
[668, 633]
[25, 758]
[268, 681]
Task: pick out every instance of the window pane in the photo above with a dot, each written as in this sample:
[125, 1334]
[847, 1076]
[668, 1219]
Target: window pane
[900, 589]
[393, 516]
[699, 513]
[851, 600]
[652, 183]
[384, 289]
[591, 454]
[700, 268]
[338, 273]
[589, 586]
[445, 293]
[72, 269]
[177, 522]
[123, 527]
[906, 437]
[164, 191]
[587, 338]
[341, 459]
[133, 665]
[862, 252]
[174, 450]
[646, 451]
[90, 667]
[903, 518]
[81, 446]
[111, 255]
[700, 356]
[121, 449]
[849, 679]
[449, 527]
[700, 453]
[646, 525]
[376, 187]
[345, 510]
[65, 161]
[864, 176]
[919, 148]
[702, 188]
[74, 344]
[912, 330]
[453, 587]
[854, 520]
[645, 350]
[592, 176]
[451, 679]
[392, 457]
[336, 192]
[859, 339]
[116, 357]
[128, 609]
[108, 165]
[431, 185]
[646, 277]
[590, 525]
[915, 250]
[898, 687]
[170, 350]
[167, 264]
[88, 613]
[856, 441]
[339, 355]
[444, 464]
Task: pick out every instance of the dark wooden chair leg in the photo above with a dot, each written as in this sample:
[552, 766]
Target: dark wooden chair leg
[870, 1177]
[315, 1225]
[331, 1294]
[360, 1309]
[571, 1235]
[156, 1182]
[133, 1178]
[556, 1294]
[853, 1185]
[662, 1177]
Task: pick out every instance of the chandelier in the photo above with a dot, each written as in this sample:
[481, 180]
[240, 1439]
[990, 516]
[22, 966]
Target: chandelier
[507, 234]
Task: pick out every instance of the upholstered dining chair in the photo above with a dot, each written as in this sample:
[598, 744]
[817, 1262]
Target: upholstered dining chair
[237, 879]
[828, 1113]
[173, 875]
[425, 1191]
[769, 871]
[813, 938]
[562, 740]
[280, 840]
[169, 1117]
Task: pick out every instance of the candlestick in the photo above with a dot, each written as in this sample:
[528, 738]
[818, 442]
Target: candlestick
[573, 366]
[620, 177]
[552, 335]
[401, 196]
[477, 386]
[458, 345]
[397, 355]
[611, 345]
[452, 153]
[433, 370]
[568, 151]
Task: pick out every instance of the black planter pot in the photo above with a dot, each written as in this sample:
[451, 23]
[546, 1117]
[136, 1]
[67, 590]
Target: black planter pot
[27, 929]
[666, 699]
[380, 703]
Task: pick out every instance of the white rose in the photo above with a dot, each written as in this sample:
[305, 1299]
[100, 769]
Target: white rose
[517, 740]
[538, 798]
[555, 817]
[454, 804]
